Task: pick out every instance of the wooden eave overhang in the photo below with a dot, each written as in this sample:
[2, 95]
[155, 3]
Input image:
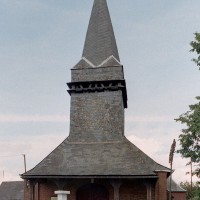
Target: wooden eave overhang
[89, 177]
[100, 86]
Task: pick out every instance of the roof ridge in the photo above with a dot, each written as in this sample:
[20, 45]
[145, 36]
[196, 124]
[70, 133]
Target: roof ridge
[100, 142]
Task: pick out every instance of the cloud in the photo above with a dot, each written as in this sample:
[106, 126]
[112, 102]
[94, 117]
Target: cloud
[33, 118]
[22, 4]
[63, 118]
[156, 149]
[150, 149]
[149, 118]
[34, 147]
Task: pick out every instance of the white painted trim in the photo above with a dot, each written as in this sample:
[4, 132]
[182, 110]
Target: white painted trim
[107, 59]
[62, 192]
[89, 62]
[62, 195]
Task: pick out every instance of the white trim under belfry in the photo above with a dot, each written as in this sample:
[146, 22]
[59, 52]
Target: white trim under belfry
[89, 62]
[107, 59]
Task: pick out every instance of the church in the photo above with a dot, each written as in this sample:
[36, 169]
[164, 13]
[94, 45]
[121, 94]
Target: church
[96, 161]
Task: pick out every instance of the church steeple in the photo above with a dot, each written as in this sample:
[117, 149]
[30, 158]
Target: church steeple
[97, 87]
[100, 44]
[96, 147]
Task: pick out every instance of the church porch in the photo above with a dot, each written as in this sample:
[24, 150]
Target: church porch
[137, 188]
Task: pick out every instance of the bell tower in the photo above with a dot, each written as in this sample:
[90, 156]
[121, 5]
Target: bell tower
[97, 87]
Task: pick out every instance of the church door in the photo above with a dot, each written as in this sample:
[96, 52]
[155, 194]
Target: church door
[92, 192]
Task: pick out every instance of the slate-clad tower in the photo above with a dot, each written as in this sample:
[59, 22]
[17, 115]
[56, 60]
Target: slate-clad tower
[98, 89]
[96, 161]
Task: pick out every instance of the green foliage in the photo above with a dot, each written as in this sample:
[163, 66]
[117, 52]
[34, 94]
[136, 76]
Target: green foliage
[196, 48]
[190, 137]
[195, 194]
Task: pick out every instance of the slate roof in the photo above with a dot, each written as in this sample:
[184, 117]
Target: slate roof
[175, 187]
[114, 158]
[12, 190]
[100, 41]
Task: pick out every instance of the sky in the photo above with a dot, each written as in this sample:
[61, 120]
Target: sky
[41, 40]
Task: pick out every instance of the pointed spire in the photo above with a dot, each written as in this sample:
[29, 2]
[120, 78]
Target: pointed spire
[100, 43]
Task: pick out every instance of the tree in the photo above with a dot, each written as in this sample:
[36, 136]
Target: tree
[190, 137]
[196, 48]
[195, 195]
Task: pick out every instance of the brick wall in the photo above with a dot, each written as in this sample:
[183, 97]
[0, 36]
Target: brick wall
[133, 192]
[26, 191]
[46, 191]
[161, 186]
[179, 195]
[130, 190]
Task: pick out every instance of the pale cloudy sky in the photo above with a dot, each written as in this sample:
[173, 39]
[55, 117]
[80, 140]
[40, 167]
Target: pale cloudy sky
[41, 40]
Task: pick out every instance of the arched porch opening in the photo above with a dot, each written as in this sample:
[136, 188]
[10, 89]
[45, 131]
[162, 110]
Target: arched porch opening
[92, 191]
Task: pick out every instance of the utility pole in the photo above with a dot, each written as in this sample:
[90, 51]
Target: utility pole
[24, 162]
[191, 178]
[171, 157]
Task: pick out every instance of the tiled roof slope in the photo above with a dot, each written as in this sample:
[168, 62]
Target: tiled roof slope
[116, 158]
[100, 41]
[12, 190]
[175, 187]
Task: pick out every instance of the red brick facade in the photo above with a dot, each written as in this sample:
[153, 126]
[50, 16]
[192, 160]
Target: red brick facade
[179, 195]
[161, 186]
[137, 189]
[133, 191]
